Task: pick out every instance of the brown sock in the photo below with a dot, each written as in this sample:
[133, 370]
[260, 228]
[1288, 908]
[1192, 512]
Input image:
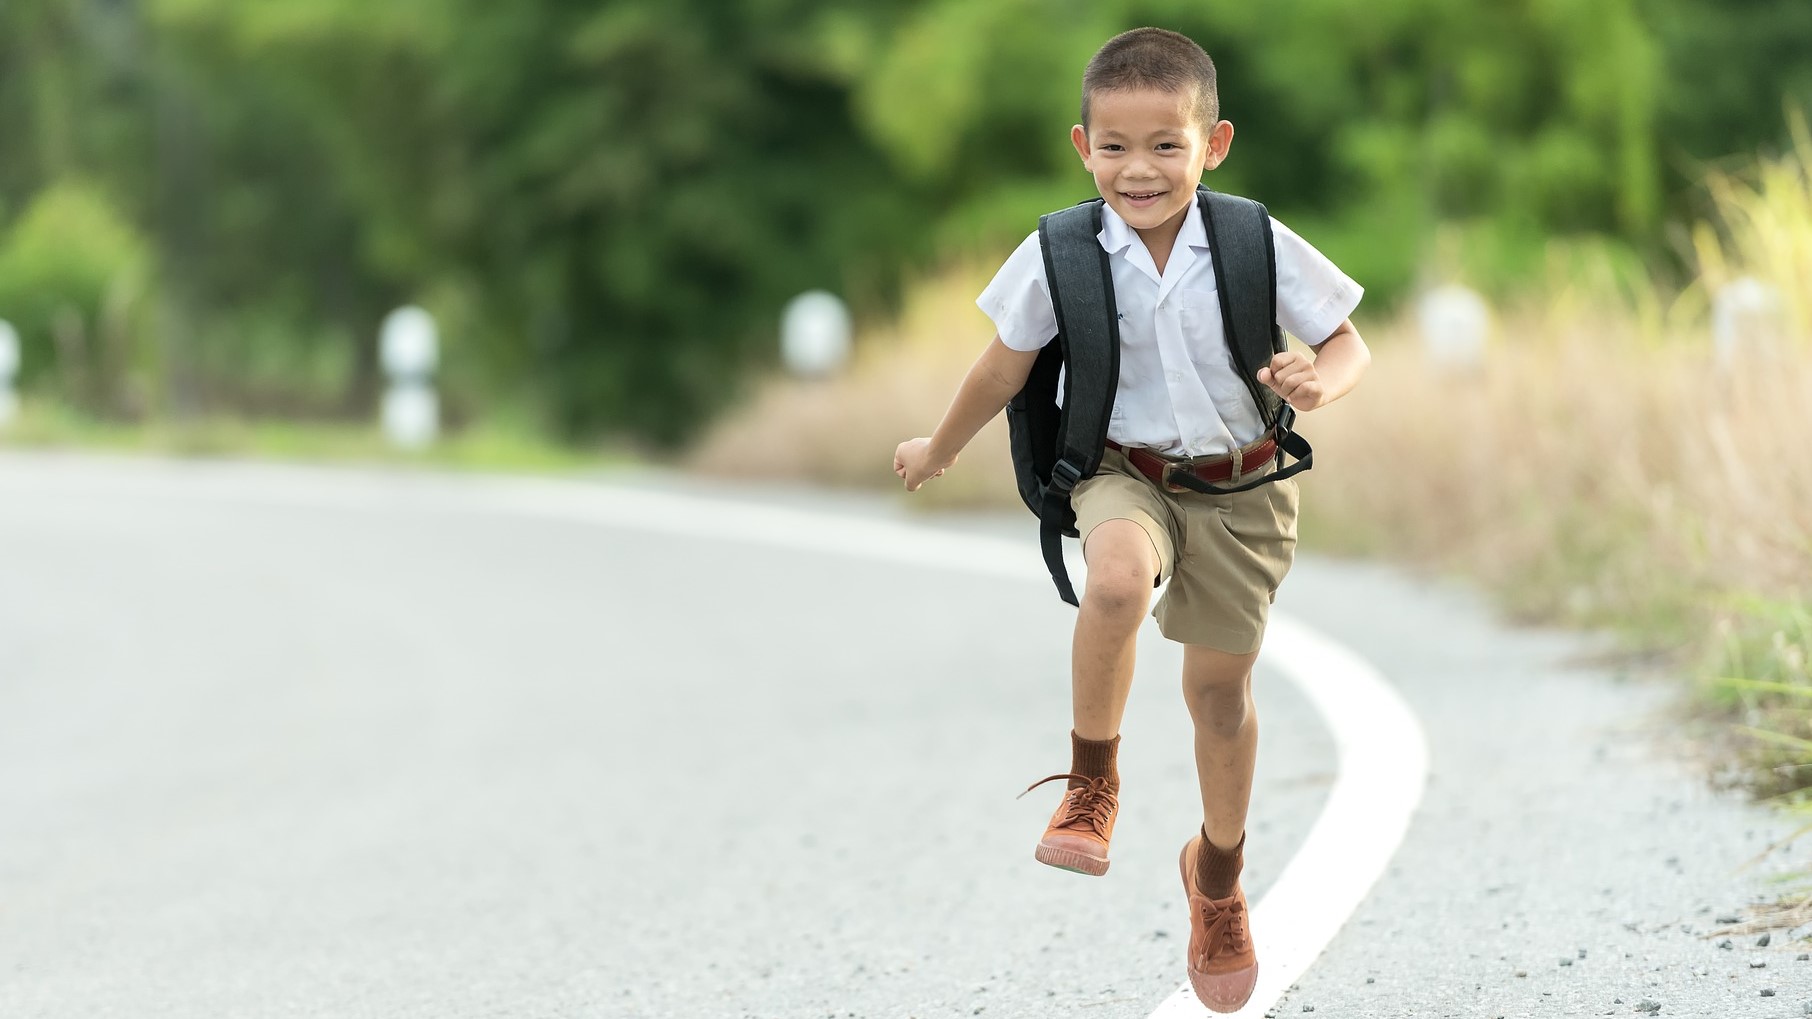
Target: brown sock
[1095, 759]
[1216, 869]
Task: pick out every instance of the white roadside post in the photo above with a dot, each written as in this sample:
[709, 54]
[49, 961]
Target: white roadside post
[814, 335]
[1454, 323]
[9, 367]
[408, 347]
[1747, 322]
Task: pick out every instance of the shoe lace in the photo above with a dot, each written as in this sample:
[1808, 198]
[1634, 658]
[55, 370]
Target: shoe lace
[1224, 923]
[1085, 806]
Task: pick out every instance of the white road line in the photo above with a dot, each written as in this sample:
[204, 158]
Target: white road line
[1382, 752]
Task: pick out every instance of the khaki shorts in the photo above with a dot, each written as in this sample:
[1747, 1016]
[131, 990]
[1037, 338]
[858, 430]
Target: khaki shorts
[1224, 555]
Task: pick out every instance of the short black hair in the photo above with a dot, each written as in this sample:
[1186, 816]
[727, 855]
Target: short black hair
[1154, 58]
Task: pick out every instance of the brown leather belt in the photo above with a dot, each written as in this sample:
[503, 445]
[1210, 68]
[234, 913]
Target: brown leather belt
[1159, 468]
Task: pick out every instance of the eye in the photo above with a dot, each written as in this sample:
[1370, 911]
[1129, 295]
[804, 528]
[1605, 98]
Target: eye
[1167, 145]
[1109, 147]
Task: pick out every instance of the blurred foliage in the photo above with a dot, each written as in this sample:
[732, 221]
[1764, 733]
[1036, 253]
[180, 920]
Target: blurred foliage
[607, 203]
[1763, 679]
[70, 271]
[1764, 229]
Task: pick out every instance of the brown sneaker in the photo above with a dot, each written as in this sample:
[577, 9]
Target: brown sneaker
[1223, 968]
[1080, 829]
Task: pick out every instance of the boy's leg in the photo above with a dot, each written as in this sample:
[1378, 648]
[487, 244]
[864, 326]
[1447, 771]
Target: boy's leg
[1123, 563]
[1217, 686]
[1122, 566]
[1240, 547]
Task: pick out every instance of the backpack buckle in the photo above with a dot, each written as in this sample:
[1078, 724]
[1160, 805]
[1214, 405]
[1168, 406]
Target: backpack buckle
[1064, 476]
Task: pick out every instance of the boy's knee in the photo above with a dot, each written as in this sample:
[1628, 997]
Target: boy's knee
[1122, 564]
[1219, 708]
[1217, 691]
[1217, 680]
[1118, 588]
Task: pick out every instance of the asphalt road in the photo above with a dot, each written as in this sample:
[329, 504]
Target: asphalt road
[292, 742]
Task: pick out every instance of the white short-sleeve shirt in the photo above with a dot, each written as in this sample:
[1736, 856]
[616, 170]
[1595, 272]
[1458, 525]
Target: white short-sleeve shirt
[1180, 393]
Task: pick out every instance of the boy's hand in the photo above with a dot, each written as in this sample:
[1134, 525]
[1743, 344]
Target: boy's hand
[1292, 376]
[913, 462]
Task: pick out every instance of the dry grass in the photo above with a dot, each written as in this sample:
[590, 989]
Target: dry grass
[1766, 229]
[843, 432]
[1767, 918]
[1584, 469]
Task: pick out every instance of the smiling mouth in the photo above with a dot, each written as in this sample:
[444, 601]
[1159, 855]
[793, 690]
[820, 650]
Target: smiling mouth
[1140, 196]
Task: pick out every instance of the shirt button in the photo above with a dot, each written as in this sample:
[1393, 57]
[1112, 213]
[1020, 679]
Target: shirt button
[1176, 376]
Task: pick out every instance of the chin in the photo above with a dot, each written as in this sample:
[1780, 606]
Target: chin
[1151, 217]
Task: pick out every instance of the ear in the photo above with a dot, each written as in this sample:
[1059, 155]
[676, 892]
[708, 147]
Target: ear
[1220, 139]
[1079, 138]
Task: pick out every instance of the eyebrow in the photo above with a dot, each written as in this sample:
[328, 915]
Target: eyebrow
[1111, 133]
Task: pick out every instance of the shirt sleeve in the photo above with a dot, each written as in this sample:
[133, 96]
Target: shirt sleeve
[1313, 295]
[1018, 300]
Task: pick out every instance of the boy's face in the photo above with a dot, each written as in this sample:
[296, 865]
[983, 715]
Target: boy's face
[1147, 152]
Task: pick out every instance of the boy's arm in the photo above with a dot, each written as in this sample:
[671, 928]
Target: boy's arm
[996, 377]
[1310, 383]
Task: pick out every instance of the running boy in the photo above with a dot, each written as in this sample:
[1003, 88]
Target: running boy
[1150, 128]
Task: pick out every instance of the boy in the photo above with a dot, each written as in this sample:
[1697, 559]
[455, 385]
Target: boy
[1150, 128]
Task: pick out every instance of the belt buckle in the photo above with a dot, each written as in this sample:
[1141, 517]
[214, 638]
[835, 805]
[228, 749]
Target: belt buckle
[1186, 464]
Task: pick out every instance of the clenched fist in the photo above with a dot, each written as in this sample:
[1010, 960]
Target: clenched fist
[913, 462]
[1292, 376]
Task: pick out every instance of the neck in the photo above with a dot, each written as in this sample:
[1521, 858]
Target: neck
[1161, 238]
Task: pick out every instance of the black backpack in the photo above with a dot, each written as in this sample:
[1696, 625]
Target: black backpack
[1055, 448]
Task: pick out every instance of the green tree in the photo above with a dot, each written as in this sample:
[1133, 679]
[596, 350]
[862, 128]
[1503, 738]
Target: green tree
[72, 271]
[631, 191]
[1731, 66]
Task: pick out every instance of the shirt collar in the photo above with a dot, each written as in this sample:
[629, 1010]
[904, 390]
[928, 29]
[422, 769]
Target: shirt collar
[1194, 232]
[1116, 234]
[1117, 237]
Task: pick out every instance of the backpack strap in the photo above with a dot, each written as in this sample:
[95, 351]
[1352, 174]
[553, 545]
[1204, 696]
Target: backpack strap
[1080, 280]
[1245, 271]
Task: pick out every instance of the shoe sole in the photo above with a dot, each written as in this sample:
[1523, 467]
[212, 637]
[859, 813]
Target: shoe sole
[1220, 992]
[1070, 860]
